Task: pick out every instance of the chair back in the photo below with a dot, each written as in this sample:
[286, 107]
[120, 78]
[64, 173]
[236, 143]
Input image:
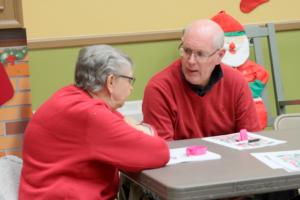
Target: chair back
[10, 171]
[287, 121]
[257, 33]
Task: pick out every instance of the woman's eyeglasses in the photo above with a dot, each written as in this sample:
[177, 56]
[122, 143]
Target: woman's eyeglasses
[131, 79]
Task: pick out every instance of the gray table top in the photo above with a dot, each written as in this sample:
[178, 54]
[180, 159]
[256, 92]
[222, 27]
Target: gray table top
[237, 173]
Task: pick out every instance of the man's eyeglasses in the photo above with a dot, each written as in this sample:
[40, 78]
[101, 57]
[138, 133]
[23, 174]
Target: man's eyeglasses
[200, 56]
[131, 79]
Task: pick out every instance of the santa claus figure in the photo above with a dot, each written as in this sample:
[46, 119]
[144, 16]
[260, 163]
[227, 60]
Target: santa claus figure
[237, 56]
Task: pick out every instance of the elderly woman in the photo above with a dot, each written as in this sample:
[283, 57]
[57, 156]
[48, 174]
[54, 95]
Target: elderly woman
[76, 141]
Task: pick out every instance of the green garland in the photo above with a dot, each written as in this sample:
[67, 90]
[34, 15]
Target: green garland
[12, 54]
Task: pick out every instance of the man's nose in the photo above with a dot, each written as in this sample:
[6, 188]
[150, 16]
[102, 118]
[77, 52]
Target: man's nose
[192, 58]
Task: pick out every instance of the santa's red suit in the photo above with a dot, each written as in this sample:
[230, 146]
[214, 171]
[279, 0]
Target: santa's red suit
[257, 77]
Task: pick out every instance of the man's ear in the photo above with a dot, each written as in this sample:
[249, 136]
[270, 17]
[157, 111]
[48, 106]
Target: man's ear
[221, 53]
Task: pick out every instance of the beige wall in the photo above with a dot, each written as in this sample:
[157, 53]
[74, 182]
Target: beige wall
[68, 18]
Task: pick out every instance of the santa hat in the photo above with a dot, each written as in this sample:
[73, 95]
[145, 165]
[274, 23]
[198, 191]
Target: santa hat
[236, 42]
[227, 22]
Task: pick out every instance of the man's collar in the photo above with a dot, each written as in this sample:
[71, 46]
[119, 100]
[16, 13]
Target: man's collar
[216, 75]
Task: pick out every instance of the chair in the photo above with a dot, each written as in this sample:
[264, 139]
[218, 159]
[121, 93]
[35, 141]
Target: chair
[256, 33]
[10, 170]
[287, 121]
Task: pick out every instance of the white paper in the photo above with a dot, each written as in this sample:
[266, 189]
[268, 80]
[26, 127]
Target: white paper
[287, 160]
[230, 140]
[263, 157]
[178, 155]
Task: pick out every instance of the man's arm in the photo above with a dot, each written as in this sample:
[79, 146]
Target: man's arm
[246, 115]
[157, 112]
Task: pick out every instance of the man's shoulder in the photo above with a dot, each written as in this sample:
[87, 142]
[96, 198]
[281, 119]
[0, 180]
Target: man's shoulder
[232, 74]
[168, 75]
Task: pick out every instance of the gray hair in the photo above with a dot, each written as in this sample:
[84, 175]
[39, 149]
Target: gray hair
[95, 63]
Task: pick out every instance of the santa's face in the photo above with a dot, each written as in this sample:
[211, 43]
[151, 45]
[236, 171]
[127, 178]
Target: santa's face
[237, 50]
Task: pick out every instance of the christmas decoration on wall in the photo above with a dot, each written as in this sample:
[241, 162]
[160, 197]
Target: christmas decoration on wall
[6, 88]
[237, 56]
[10, 55]
[247, 6]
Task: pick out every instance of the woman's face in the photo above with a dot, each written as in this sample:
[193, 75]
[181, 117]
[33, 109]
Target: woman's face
[122, 87]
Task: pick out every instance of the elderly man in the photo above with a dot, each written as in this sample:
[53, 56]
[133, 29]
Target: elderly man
[196, 96]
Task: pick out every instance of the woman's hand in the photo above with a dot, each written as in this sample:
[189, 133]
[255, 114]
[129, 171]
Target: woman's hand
[145, 128]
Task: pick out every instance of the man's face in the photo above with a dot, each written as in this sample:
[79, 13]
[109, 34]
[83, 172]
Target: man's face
[199, 59]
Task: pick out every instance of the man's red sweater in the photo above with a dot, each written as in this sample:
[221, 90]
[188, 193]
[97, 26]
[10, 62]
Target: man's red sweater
[177, 112]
